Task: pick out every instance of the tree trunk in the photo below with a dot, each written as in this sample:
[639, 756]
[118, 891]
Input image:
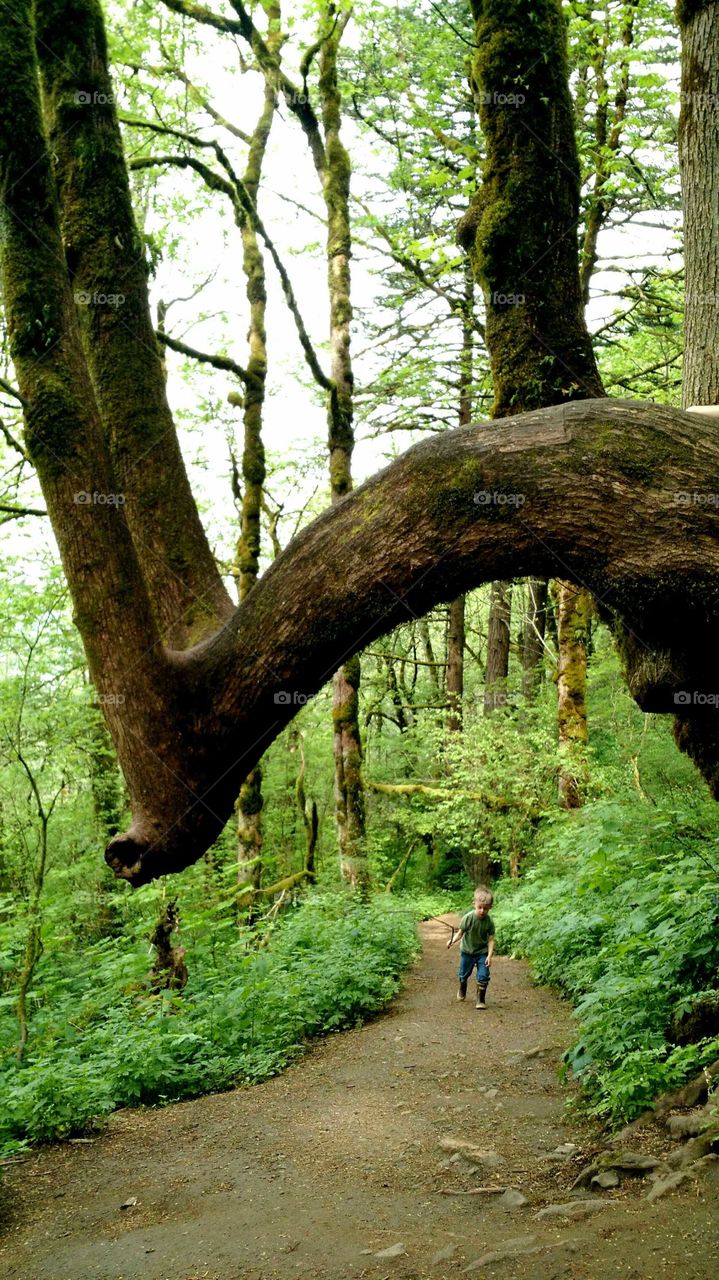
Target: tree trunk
[104, 779]
[33, 942]
[169, 970]
[498, 637]
[106, 265]
[698, 161]
[349, 795]
[608, 129]
[574, 608]
[699, 165]
[249, 835]
[533, 638]
[310, 817]
[455, 663]
[398, 699]
[250, 803]
[349, 791]
[524, 250]
[456, 636]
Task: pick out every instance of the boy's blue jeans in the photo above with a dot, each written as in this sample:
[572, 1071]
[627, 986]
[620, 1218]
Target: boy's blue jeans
[467, 961]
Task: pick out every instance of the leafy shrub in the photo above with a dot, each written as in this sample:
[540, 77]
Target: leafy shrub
[620, 912]
[244, 1015]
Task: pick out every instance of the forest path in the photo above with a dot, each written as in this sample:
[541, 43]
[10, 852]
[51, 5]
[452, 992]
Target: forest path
[312, 1175]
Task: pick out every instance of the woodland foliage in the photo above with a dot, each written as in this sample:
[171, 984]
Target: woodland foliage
[615, 904]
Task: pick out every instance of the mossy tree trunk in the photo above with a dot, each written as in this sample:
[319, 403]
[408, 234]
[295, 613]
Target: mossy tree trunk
[107, 273]
[574, 609]
[250, 802]
[116, 592]
[524, 249]
[349, 791]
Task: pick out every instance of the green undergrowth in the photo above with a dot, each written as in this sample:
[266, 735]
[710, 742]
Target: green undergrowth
[100, 1041]
[621, 913]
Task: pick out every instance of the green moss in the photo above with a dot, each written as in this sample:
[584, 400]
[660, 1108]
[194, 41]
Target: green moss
[516, 230]
[687, 10]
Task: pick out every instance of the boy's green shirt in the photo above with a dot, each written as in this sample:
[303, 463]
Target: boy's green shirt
[477, 932]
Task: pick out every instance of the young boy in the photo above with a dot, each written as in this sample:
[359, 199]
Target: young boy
[476, 939]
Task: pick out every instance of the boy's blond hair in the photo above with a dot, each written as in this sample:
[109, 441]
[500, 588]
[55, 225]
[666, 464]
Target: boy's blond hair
[483, 894]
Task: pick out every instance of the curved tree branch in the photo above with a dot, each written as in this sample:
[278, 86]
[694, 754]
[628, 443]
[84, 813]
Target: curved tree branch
[613, 495]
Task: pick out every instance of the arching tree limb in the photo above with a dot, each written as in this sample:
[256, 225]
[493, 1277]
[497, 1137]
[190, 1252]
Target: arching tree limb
[618, 497]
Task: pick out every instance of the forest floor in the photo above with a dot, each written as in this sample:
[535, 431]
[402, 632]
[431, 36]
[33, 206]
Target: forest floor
[355, 1152]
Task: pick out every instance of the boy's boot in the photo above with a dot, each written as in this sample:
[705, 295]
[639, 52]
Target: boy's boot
[481, 994]
[462, 991]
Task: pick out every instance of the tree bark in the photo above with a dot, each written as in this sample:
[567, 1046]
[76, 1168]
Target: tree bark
[699, 166]
[599, 479]
[349, 791]
[455, 663]
[574, 608]
[498, 637]
[524, 250]
[169, 970]
[698, 158]
[65, 440]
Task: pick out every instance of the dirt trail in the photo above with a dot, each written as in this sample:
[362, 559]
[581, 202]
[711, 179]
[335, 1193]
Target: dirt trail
[311, 1175]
